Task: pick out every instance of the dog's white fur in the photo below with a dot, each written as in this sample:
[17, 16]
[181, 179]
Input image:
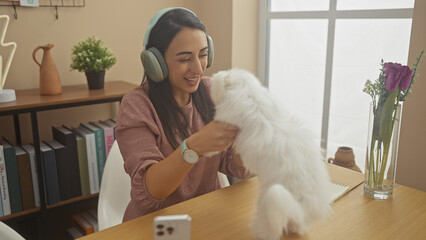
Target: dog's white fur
[276, 147]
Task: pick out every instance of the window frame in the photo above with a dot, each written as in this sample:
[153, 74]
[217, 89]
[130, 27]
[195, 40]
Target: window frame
[265, 17]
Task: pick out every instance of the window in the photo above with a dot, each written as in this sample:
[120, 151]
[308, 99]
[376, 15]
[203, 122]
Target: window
[317, 54]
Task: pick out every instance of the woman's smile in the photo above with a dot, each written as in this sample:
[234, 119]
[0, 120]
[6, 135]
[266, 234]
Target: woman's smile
[192, 81]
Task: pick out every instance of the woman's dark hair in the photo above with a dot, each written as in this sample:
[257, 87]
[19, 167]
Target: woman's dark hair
[171, 116]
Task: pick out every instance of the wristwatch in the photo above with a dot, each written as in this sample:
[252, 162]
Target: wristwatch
[188, 155]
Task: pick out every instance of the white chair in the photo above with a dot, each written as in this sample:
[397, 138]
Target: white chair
[223, 179]
[7, 233]
[114, 194]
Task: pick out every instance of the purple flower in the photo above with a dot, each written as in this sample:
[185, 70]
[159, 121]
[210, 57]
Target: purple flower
[397, 76]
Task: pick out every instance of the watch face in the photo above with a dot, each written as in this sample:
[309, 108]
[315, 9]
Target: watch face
[190, 156]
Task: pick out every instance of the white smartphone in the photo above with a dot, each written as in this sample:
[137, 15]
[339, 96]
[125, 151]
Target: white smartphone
[172, 227]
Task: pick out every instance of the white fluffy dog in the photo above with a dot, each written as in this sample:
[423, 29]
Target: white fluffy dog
[292, 177]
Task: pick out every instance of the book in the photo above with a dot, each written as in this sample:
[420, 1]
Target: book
[110, 123]
[337, 190]
[83, 165]
[4, 188]
[82, 224]
[73, 233]
[1, 208]
[91, 220]
[62, 168]
[25, 180]
[67, 138]
[91, 158]
[342, 180]
[100, 147]
[108, 135]
[34, 172]
[50, 174]
[12, 176]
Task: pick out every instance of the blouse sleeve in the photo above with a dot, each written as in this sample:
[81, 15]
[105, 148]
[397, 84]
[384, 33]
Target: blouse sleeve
[229, 167]
[137, 135]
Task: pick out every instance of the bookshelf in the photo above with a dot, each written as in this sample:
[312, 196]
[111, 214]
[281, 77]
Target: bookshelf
[30, 101]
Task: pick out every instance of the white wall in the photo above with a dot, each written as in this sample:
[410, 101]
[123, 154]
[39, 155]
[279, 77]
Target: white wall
[411, 166]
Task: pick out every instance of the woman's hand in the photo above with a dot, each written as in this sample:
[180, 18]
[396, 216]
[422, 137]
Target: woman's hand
[215, 136]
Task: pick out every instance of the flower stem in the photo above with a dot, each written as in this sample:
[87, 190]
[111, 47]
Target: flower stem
[378, 161]
[387, 143]
[371, 164]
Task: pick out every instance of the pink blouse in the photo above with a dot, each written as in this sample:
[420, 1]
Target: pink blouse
[142, 143]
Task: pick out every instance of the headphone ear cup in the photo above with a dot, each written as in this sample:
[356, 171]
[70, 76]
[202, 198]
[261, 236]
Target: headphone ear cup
[211, 51]
[154, 64]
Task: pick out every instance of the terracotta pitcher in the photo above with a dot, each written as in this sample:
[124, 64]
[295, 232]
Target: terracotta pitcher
[50, 84]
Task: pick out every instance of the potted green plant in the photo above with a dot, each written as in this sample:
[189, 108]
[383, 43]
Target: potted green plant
[93, 58]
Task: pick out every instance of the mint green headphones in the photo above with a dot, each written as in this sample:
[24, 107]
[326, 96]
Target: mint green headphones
[153, 61]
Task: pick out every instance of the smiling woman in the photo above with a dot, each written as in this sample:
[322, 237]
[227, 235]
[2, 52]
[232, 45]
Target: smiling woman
[166, 125]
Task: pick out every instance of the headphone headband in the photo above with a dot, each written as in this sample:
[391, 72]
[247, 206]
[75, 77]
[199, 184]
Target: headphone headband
[155, 19]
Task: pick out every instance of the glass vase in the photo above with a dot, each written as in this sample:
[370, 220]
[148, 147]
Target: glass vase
[382, 151]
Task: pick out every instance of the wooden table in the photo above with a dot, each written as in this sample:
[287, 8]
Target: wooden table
[227, 214]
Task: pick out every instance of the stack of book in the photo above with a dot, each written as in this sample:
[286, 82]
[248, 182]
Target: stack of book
[85, 223]
[72, 161]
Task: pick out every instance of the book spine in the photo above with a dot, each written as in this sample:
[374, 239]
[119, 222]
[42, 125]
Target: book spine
[34, 174]
[100, 153]
[92, 164]
[25, 181]
[4, 188]
[110, 123]
[100, 147]
[84, 167]
[108, 135]
[63, 170]
[51, 177]
[13, 179]
[75, 168]
[1, 208]
[109, 138]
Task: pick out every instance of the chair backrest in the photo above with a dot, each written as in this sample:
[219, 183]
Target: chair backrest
[114, 194]
[223, 180]
[7, 233]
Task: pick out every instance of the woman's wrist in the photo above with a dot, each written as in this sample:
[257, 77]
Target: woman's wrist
[191, 143]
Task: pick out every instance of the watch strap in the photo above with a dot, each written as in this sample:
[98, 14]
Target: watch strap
[183, 146]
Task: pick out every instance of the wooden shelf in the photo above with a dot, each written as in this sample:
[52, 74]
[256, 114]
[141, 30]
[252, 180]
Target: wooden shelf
[30, 101]
[72, 200]
[48, 207]
[20, 214]
[76, 95]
